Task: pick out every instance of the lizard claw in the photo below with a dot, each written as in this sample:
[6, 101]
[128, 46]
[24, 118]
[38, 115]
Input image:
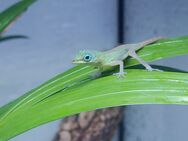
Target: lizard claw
[120, 74]
[152, 69]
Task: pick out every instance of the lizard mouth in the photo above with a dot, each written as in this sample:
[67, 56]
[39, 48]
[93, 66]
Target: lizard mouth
[74, 61]
[77, 62]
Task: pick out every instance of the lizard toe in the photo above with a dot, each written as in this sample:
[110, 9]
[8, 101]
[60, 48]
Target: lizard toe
[120, 74]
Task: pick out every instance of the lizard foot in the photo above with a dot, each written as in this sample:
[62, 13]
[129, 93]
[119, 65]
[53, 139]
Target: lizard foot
[95, 75]
[120, 74]
[152, 69]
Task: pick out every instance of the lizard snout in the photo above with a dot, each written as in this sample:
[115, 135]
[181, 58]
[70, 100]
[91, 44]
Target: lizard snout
[74, 61]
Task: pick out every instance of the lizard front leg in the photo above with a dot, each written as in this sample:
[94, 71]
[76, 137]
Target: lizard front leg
[97, 73]
[121, 72]
[133, 54]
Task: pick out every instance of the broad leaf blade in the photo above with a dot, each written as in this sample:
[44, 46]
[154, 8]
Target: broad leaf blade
[165, 48]
[73, 91]
[139, 87]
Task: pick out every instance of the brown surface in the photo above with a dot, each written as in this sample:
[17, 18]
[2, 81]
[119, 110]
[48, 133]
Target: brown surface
[99, 125]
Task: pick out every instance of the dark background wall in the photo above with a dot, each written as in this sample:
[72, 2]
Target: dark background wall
[144, 19]
[59, 28]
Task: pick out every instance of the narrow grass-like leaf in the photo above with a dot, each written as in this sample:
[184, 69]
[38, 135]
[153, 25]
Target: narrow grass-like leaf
[12, 13]
[12, 37]
[74, 91]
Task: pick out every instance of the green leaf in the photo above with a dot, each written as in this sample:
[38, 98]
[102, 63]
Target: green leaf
[165, 48]
[12, 13]
[74, 91]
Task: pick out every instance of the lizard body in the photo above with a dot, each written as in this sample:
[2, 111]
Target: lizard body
[104, 60]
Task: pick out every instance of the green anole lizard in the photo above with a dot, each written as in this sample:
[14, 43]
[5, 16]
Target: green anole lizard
[104, 60]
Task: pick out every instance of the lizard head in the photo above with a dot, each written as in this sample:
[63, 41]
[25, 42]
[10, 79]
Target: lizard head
[86, 56]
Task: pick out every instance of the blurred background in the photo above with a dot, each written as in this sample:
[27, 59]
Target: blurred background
[58, 29]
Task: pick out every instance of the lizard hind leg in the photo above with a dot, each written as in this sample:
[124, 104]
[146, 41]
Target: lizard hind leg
[133, 54]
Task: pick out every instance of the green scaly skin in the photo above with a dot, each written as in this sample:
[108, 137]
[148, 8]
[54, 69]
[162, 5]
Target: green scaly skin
[114, 57]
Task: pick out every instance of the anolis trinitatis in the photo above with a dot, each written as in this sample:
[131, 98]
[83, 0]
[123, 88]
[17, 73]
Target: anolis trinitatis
[104, 60]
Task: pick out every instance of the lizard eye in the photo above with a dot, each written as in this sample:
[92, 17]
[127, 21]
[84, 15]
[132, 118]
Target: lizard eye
[87, 57]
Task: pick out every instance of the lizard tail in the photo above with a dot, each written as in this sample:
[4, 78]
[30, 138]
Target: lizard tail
[149, 41]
